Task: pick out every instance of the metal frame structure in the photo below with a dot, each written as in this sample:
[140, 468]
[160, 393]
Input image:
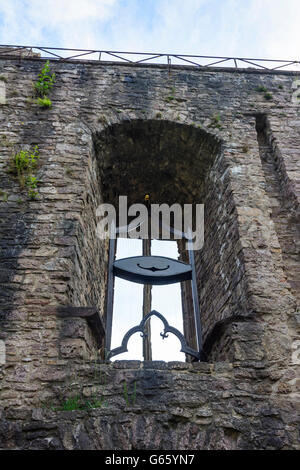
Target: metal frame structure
[112, 273]
[64, 54]
[167, 329]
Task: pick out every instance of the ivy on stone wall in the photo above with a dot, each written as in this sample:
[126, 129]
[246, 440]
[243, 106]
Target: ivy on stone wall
[24, 165]
[43, 86]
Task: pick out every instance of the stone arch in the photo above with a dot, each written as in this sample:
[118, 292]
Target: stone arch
[165, 158]
[173, 162]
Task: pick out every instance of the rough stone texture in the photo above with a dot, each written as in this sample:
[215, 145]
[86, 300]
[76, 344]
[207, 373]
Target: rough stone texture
[175, 406]
[2, 92]
[182, 135]
[19, 52]
[2, 352]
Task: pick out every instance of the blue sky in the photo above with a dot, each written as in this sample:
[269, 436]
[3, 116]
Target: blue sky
[259, 28]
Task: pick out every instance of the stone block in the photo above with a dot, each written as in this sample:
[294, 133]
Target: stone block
[2, 92]
[2, 352]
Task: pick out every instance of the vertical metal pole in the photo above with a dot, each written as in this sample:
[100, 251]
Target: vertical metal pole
[195, 299]
[147, 348]
[110, 294]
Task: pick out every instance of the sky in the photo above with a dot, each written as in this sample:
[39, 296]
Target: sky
[245, 28]
[128, 301]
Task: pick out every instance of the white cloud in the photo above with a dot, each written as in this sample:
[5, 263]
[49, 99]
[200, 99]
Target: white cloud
[52, 22]
[278, 25]
[209, 27]
[56, 12]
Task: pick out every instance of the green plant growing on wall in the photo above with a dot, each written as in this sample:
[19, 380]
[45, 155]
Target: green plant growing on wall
[43, 86]
[78, 403]
[32, 183]
[72, 403]
[14, 93]
[45, 81]
[69, 171]
[216, 121]
[268, 96]
[24, 165]
[171, 96]
[168, 99]
[6, 142]
[44, 102]
[261, 89]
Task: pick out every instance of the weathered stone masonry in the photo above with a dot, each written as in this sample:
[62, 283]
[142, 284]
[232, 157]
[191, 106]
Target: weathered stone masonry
[183, 135]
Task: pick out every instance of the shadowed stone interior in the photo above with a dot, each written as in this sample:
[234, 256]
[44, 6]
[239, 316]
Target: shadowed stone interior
[172, 163]
[167, 160]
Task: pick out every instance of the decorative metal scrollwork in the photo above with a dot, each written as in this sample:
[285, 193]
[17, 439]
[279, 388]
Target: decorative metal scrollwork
[141, 328]
[153, 268]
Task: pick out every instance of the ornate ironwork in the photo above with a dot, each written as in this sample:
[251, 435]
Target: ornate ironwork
[65, 54]
[154, 270]
[131, 269]
[167, 329]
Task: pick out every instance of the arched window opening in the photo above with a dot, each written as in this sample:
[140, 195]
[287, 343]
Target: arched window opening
[127, 303]
[167, 299]
[131, 300]
[176, 164]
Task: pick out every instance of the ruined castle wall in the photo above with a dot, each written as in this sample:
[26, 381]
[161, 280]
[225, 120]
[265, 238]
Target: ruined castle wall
[51, 257]
[156, 405]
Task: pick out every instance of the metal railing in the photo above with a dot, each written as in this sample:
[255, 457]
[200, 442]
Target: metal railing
[65, 54]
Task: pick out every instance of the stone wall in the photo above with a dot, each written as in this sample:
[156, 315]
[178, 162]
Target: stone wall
[156, 405]
[227, 138]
